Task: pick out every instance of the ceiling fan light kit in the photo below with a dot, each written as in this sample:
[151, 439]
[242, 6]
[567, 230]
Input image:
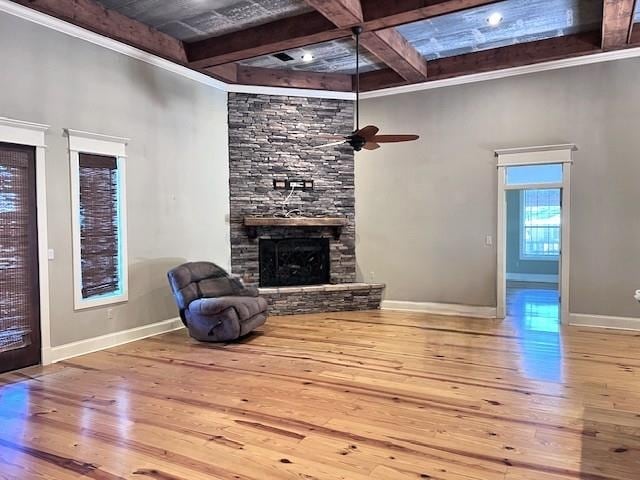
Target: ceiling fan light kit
[366, 137]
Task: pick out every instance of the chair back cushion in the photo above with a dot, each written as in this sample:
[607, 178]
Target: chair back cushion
[195, 280]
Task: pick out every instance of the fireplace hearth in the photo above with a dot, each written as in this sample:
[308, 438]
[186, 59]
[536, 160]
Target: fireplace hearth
[294, 261]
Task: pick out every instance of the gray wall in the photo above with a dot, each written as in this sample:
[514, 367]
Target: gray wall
[514, 263]
[423, 209]
[177, 166]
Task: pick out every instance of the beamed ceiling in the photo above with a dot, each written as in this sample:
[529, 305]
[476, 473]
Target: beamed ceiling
[404, 41]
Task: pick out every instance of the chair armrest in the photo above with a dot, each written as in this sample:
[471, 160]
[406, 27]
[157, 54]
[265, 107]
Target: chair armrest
[248, 292]
[241, 289]
[211, 306]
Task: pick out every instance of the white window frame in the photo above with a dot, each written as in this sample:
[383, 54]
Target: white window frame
[33, 134]
[97, 144]
[523, 255]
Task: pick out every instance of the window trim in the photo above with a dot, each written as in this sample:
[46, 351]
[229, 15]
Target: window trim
[523, 255]
[93, 143]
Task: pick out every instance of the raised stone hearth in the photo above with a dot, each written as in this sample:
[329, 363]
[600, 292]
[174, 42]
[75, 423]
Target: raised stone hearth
[323, 298]
[271, 138]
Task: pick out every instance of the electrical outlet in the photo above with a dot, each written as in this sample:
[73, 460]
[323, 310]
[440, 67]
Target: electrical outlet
[488, 241]
[372, 276]
[287, 184]
[109, 313]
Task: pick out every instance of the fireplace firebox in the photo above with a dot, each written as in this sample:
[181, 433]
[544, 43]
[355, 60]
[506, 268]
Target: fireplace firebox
[294, 261]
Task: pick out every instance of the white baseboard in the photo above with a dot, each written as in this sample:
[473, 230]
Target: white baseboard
[532, 277]
[441, 308]
[102, 342]
[604, 321]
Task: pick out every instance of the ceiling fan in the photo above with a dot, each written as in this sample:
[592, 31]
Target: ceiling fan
[366, 137]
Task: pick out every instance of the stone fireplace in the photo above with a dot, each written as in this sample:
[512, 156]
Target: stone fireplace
[304, 261]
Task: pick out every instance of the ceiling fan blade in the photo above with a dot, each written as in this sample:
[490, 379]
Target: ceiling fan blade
[367, 132]
[393, 138]
[371, 146]
[333, 144]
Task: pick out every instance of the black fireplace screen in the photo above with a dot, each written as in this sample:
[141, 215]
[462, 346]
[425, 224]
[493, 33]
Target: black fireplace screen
[294, 261]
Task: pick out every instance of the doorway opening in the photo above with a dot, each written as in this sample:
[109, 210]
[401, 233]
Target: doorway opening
[533, 243]
[20, 292]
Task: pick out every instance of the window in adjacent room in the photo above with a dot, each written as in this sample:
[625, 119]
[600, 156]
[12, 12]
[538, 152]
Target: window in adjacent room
[540, 224]
[99, 220]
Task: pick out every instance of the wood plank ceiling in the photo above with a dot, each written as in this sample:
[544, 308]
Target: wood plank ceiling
[404, 41]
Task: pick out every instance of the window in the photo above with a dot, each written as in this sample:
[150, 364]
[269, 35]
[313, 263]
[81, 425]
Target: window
[540, 224]
[534, 174]
[99, 220]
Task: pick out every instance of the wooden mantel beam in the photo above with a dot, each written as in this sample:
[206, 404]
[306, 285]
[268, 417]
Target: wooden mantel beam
[93, 16]
[313, 27]
[494, 59]
[617, 23]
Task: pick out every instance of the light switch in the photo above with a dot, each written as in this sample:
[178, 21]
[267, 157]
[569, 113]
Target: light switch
[488, 241]
[51, 254]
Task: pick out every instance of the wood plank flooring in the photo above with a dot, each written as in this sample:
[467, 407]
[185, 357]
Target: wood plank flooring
[361, 395]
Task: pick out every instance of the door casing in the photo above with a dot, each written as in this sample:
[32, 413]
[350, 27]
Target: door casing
[549, 154]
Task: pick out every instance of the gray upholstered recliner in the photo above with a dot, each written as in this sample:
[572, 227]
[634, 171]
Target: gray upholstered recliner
[214, 306]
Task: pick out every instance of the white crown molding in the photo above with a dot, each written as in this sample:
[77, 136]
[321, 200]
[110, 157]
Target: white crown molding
[58, 25]
[542, 148]
[536, 155]
[26, 133]
[10, 122]
[507, 72]
[53, 23]
[441, 309]
[96, 136]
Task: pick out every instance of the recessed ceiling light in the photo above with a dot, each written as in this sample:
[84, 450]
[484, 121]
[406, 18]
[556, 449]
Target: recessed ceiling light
[494, 19]
[307, 57]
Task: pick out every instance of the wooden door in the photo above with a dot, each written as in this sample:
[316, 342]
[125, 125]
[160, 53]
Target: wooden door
[19, 286]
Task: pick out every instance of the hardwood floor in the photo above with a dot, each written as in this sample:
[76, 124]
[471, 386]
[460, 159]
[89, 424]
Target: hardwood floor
[363, 395]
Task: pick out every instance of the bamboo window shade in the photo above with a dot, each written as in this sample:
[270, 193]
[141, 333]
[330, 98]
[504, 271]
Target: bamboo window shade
[19, 297]
[99, 225]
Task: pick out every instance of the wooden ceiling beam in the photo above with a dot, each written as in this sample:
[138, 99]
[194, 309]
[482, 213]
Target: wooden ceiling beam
[92, 16]
[396, 52]
[617, 23]
[494, 59]
[274, 37]
[387, 44]
[343, 13]
[379, 14]
[227, 72]
[271, 77]
[313, 27]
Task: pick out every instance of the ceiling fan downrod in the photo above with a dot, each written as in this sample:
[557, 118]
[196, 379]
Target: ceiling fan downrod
[357, 30]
